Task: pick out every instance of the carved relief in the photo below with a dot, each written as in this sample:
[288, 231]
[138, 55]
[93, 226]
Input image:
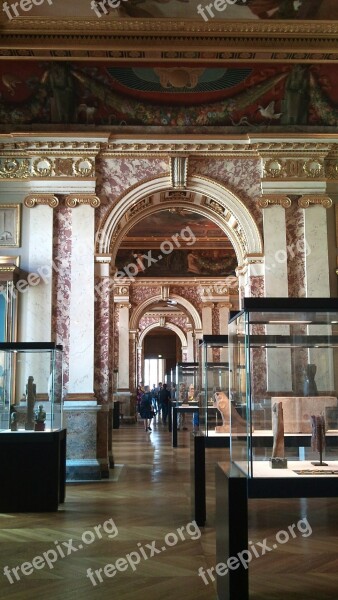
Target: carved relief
[12, 168]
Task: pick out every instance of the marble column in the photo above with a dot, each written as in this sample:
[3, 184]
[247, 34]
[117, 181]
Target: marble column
[279, 370]
[103, 285]
[122, 305]
[317, 279]
[81, 407]
[224, 310]
[207, 324]
[36, 293]
[190, 354]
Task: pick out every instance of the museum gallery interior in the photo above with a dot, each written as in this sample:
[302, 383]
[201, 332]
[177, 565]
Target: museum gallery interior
[169, 212]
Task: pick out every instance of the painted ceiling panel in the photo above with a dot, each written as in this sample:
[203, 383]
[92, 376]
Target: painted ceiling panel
[86, 93]
[188, 9]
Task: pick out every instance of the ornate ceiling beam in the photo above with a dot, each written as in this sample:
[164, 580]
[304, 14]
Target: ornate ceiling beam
[192, 39]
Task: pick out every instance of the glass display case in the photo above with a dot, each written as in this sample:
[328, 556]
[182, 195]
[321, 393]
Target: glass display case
[282, 407]
[30, 387]
[214, 368]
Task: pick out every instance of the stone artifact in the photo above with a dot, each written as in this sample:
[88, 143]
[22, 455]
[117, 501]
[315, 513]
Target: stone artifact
[238, 424]
[318, 438]
[40, 419]
[278, 460]
[14, 420]
[310, 386]
[31, 398]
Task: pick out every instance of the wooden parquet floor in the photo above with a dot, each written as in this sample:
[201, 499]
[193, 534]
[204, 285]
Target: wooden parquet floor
[140, 523]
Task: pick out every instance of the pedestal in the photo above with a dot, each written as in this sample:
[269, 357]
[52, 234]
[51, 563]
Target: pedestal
[32, 470]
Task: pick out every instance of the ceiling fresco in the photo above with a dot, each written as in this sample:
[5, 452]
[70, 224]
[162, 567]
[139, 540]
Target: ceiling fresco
[99, 94]
[188, 9]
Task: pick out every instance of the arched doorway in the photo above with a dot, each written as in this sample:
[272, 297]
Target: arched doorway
[182, 265]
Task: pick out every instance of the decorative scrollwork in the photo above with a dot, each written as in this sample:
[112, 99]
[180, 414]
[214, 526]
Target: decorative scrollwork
[84, 167]
[43, 166]
[74, 200]
[305, 201]
[313, 168]
[274, 200]
[47, 199]
[13, 168]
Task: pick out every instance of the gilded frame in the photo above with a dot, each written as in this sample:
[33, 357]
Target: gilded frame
[10, 225]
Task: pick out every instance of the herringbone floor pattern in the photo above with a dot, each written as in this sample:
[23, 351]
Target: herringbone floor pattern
[138, 523]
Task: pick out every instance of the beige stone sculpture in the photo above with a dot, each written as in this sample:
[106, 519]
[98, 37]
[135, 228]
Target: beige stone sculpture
[238, 424]
[278, 460]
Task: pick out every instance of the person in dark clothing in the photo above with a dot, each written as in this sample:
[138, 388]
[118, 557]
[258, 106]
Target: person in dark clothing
[146, 408]
[164, 397]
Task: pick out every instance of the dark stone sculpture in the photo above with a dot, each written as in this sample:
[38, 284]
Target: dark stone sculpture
[31, 397]
[310, 386]
[318, 438]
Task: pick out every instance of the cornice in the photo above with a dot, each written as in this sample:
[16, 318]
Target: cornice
[192, 39]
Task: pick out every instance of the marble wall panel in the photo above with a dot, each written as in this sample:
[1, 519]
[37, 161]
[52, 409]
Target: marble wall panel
[62, 249]
[101, 324]
[296, 248]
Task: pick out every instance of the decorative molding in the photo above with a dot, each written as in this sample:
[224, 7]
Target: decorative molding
[220, 40]
[217, 208]
[274, 200]
[314, 168]
[14, 168]
[73, 200]
[121, 291]
[103, 259]
[47, 199]
[294, 167]
[178, 171]
[322, 200]
[138, 207]
[42, 166]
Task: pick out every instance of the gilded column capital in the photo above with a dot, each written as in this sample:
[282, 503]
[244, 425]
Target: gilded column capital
[224, 305]
[208, 305]
[73, 200]
[274, 200]
[46, 199]
[319, 199]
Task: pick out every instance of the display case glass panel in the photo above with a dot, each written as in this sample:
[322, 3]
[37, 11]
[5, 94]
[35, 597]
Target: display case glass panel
[215, 389]
[283, 356]
[30, 387]
[187, 383]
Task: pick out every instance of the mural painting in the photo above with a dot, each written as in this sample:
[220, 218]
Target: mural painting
[178, 263]
[100, 94]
